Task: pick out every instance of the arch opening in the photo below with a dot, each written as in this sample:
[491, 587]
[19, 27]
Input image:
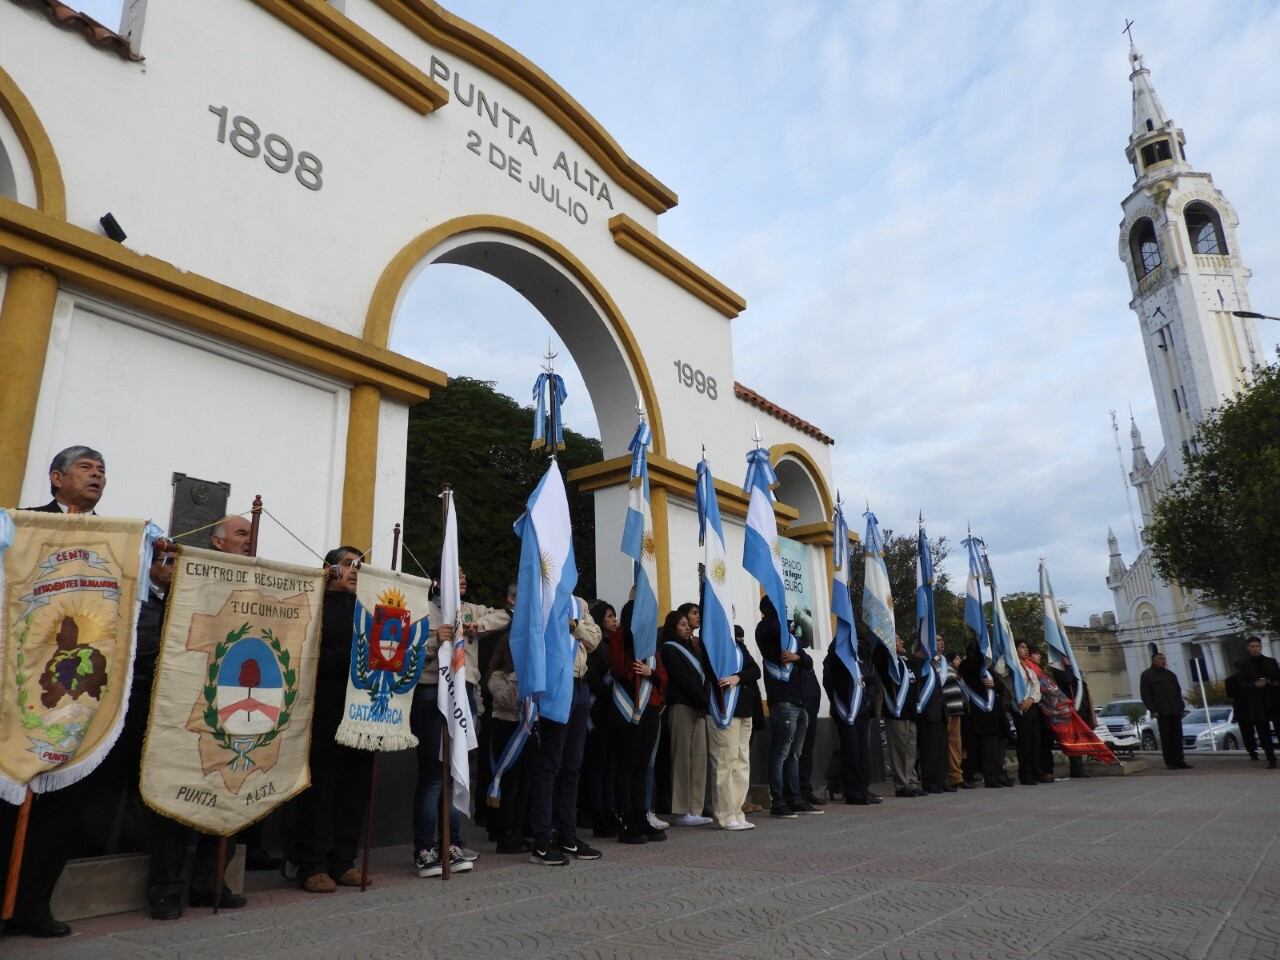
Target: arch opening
[8, 180]
[797, 489]
[1144, 248]
[1204, 228]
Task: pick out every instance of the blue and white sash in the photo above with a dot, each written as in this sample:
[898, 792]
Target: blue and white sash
[899, 701]
[633, 711]
[688, 655]
[985, 704]
[722, 702]
[847, 713]
[929, 676]
[498, 766]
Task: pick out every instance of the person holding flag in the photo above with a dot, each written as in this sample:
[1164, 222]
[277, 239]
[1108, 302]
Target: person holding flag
[931, 714]
[1062, 663]
[846, 677]
[984, 723]
[1024, 685]
[728, 668]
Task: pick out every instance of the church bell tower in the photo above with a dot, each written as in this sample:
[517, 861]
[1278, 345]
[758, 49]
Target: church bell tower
[1178, 241]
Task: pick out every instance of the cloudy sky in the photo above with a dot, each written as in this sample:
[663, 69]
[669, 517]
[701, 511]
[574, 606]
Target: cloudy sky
[931, 193]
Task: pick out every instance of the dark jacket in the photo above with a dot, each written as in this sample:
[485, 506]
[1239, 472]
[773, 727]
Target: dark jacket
[880, 657]
[982, 722]
[933, 710]
[1161, 692]
[50, 507]
[748, 683]
[684, 686]
[150, 625]
[769, 642]
[1260, 703]
[337, 625]
[838, 682]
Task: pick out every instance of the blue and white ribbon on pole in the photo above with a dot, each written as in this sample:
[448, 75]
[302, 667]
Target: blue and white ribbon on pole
[541, 645]
[638, 544]
[926, 622]
[499, 765]
[1005, 647]
[549, 395]
[717, 622]
[1055, 634]
[846, 639]
[976, 620]
[760, 552]
[877, 597]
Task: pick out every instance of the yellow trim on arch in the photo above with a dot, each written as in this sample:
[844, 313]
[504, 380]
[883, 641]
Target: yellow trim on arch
[647, 247]
[780, 450]
[442, 29]
[382, 305]
[51, 193]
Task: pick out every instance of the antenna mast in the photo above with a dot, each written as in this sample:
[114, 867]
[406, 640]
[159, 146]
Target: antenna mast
[1124, 481]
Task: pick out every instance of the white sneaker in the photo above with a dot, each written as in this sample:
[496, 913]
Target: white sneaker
[740, 825]
[654, 822]
[689, 820]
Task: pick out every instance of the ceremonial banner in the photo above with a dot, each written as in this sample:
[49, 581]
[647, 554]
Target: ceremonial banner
[388, 651]
[1074, 736]
[230, 723]
[71, 587]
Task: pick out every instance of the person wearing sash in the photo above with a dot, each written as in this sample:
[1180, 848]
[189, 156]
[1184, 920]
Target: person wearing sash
[77, 480]
[985, 719]
[953, 702]
[508, 821]
[1027, 718]
[633, 738]
[899, 680]
[931, 722]
[1066, 680]
[686, 699]
[328, 815]
[595, 792]
[730, 748]
[852, 704]
[787, 717]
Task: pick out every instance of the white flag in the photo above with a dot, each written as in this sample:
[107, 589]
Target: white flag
[452, 691]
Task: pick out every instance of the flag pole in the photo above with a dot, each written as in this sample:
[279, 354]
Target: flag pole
[15, 859]
[373, 767]
[446, 751]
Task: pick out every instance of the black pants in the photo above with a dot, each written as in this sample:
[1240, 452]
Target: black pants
[508, 821]
[931, 748]
[988, 759]
[855, 755]
[1258, 733]
[328, 816]
[633, 745]
[596, 783]
[1044, 760]
[806, 754]
[167, 844]
[1028, 744]
[1170, 725]
[556, 768]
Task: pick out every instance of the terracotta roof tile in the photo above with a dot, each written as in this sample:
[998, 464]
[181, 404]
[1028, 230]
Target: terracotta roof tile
[70, 18]
[780, 413]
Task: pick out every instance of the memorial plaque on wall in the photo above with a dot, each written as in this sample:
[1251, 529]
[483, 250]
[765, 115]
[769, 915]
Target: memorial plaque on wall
[196, 503]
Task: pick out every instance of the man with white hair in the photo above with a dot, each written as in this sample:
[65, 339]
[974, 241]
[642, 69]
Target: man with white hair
[231, 535]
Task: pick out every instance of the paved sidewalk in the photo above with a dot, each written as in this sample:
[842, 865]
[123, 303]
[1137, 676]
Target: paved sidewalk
[1158, 865]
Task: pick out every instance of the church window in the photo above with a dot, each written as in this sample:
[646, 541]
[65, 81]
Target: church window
[1144, 248]
[1204, 227]
[1150, 124]
[1156, 152]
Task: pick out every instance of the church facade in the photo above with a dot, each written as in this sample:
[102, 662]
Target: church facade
[1179, 245]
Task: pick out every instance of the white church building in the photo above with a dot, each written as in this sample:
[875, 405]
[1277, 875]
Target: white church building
[1178, 241]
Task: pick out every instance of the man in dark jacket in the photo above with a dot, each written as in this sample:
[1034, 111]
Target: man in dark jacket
[811, 691]
[1259, 682]
[788, 720]
[898, 682]
[851, 709]
[985, 719]
[1162, 695]
[931, 724]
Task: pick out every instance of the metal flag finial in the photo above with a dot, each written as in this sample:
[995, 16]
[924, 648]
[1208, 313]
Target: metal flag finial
[640, 411]
[756, 435]
[550, 357]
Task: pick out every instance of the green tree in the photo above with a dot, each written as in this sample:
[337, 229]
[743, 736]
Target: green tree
[900, 559]
[477, 440]
[1025, 613]
[1218, 529]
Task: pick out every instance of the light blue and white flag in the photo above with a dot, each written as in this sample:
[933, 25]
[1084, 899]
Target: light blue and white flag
[1005, 647]
[717, 622]
[541, 645]
[549, 395]
[877, 597]
[637, 543]
[931, 675]
[976, 620]
[846, 639]
[1055, 634]
[760, 553]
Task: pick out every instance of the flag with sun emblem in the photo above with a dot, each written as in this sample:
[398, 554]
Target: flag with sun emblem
[230, 723]
[717, 602]
[388, 651]
[541, 644]
[637, 543]
[760, 552]
[71, 587]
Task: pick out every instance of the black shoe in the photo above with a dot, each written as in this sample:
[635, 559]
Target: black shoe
[550, 857]
[993, 784]
[45, 928]
[969, 784]
[1007, 781]
[651, 833]
[228, 900]
[951, 788]
[259, 859]
[512, 845]
[1253, 756]
[1183, 766]
[166, 908]
[905, 792]
[867, 801]
[782, 811]
[813, 801]
[580, 850]
[804, 807]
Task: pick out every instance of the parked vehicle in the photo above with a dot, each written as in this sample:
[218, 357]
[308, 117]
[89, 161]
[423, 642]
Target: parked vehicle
[1124, 722]
[1121, 739]
[1201, 730]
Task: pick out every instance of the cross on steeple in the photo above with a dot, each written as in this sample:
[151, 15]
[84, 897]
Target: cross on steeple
[1128, 31]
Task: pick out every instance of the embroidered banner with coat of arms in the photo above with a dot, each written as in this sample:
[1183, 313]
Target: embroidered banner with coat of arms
[388, 652]
[71, 585]
[230, 724]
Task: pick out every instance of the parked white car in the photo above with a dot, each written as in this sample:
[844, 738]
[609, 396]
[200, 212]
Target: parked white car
[1117, 726]
[1200, 730]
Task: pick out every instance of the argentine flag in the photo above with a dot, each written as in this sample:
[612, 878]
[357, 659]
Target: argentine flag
[1055, 634]
[1006, 649]
[974, 618]
[877, 598]
[717, 624]
[637, 543]
[926, 621]
[541, 645]
[846, 640]
[760, 554]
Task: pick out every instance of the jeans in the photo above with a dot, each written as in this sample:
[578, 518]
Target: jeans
[554, 796]
[787, 725]
[427, 723]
